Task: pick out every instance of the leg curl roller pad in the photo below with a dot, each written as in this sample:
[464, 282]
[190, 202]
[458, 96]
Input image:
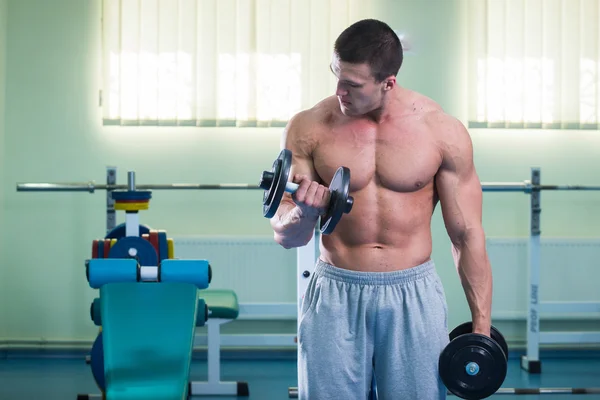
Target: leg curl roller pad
[102, 271]
[198, 272]
[202, 315]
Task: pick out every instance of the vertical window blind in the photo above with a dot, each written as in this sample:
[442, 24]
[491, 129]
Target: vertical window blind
[218, 62]
[534, 63]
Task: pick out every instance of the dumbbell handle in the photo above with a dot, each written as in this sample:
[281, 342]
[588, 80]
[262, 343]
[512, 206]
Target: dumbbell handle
[291, 187]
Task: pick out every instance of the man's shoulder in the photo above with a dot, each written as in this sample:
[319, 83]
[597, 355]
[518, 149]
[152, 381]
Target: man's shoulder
[433, 114]
[448, 131]
[423, 104]
[444, 123]
[321, 112]
[319, 115]
[306, 127]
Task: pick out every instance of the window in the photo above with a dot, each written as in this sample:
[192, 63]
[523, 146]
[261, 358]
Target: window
[218, 62]
[534, 64]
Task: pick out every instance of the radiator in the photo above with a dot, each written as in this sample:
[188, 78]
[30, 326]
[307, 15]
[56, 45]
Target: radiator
[569, 272]
[256, 268]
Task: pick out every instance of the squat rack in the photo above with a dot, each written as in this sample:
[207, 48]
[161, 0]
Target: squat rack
[306, 255]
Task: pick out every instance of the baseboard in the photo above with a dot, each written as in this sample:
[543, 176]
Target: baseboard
[200, 354]
[197, 355]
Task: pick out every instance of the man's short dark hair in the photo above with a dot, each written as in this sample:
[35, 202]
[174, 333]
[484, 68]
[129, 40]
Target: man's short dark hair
[373, 42]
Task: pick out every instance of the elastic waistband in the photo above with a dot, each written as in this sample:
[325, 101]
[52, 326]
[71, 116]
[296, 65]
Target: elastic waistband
[375, 278]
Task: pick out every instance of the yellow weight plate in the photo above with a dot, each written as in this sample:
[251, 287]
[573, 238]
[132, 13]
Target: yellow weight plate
[171, 248]
[132, 206]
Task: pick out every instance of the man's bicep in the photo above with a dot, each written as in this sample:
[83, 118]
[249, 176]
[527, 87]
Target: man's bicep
[297, 139]
[459, 189]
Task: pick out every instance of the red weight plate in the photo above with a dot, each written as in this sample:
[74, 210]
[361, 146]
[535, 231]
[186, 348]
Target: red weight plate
[154, 240]
[106, 247]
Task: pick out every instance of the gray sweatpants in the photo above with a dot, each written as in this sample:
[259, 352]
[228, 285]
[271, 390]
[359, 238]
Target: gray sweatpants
[356, 324]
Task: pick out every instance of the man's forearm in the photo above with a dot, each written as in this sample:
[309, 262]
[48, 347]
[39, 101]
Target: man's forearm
[474, 270]
[291, 227]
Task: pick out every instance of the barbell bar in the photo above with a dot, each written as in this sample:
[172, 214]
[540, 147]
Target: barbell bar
[556, 390]
[91, 187]
[293, 391]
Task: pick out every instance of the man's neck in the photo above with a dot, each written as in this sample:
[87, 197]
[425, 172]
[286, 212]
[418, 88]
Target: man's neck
[384, 111]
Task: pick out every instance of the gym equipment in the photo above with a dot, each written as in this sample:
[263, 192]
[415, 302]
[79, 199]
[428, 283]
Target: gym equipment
[97, 362]
[276, 182]
[148, 310]
[224, 308]
[91, 187]
[473, 366]
[222, 305]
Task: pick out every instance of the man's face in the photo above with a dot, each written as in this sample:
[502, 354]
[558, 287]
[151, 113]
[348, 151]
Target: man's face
[357, 90]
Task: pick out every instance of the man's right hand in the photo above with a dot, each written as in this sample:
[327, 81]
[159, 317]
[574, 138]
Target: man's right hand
[311, 197]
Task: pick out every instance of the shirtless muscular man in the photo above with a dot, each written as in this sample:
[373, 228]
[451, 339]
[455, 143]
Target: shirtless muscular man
[375, 303]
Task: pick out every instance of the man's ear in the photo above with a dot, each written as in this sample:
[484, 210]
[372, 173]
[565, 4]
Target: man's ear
[389, 83]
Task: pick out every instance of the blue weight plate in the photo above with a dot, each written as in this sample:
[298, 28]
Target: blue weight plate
[95, 312]
[118, 231]
[131, 195]
[145, 253]
[163, 245]
[97, 362]
[100, 245]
